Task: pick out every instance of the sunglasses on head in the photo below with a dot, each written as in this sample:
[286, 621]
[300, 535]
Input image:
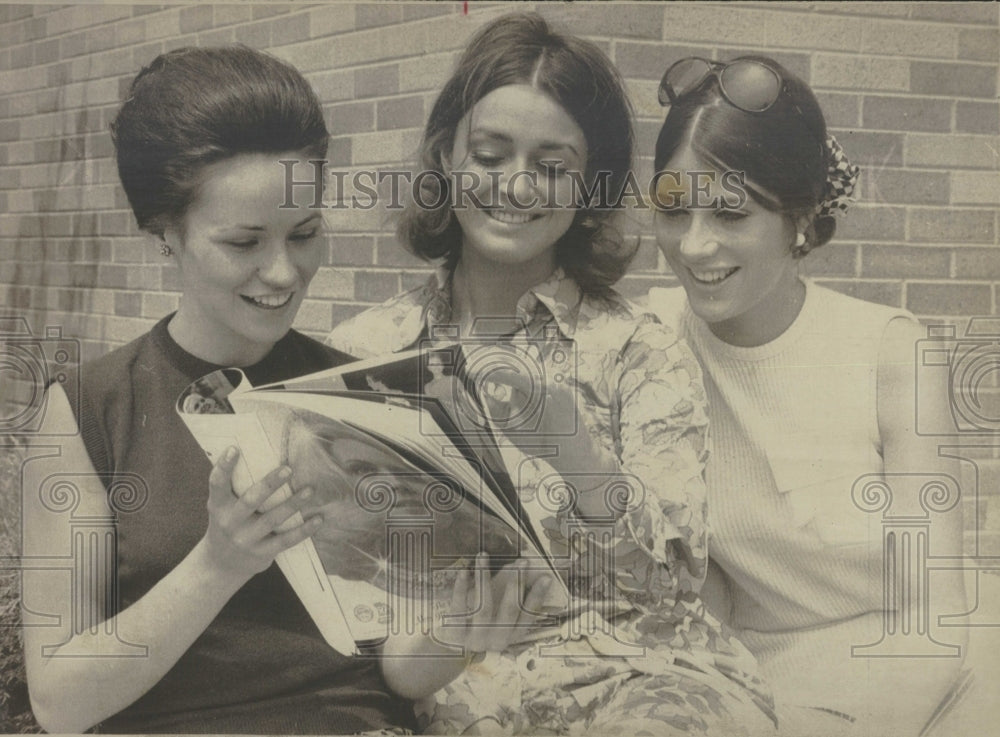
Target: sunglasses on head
[746, 84]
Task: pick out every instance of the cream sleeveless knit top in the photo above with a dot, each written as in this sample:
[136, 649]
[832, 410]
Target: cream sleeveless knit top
[793, 425]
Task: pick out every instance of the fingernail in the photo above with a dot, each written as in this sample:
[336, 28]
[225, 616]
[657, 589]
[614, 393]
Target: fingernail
[285, 473]
[306, 492]
[501, 392]
[230, 454]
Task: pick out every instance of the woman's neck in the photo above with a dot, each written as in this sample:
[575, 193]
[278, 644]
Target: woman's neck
[193, 333]
[484, 294]
[767, 320]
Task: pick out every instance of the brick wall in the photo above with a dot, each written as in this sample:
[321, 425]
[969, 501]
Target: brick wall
[909, 89]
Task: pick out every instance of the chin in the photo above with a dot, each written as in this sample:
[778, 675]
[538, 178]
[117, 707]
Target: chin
[511, 254]
[709, 313]
[270, 334]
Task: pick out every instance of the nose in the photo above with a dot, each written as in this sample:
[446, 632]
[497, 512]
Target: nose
[279, 269]
[698, 242]
[518, 184]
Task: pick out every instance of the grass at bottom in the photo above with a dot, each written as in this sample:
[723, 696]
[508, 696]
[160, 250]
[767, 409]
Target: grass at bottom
[15, 711]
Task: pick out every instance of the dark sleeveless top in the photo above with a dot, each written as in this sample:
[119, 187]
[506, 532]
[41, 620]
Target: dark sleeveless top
[261, 666]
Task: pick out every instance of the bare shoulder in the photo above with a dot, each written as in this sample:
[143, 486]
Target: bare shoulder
[68, 460]
[898, 351]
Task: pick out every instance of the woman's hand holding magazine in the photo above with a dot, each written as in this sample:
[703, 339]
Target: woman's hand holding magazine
[488, 614]
[245, 532]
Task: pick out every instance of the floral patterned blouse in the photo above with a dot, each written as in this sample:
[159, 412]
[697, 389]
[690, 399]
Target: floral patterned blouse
[640, 394]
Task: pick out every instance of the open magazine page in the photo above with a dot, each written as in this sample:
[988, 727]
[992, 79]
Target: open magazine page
[405, 507]
[435, 376]
[446, 380]
[399, 518]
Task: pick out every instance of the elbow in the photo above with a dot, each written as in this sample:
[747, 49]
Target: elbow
[414, 666]
[54, 713]
[413, 683]
[59, 722]
[402, 683]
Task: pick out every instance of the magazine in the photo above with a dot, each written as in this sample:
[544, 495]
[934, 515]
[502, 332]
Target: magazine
[411, 490]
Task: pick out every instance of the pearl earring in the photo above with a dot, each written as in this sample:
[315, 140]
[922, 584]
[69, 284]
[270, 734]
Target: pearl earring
[800, 240]
[165, 249]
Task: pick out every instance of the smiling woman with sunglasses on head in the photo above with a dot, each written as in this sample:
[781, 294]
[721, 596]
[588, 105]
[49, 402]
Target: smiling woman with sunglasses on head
[189, 626]
[808, 390]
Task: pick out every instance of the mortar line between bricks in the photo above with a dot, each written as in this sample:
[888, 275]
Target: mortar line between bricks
[803, 51]
[897, 95]
[861, 92]
[821, 10]
[976, 207]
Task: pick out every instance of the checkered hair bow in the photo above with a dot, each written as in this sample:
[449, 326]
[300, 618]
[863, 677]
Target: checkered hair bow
[841, 178]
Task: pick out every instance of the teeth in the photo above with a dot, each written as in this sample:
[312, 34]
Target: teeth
[271, 300]
[713, 276]
[513, 218]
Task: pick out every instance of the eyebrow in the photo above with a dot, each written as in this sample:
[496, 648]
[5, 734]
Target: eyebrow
[261, 228]
[544, 146]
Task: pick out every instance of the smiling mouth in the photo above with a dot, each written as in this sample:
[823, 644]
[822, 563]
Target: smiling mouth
[711, 277]
[269, 301]
[511, 218]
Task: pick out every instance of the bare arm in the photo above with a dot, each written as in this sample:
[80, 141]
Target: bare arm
[71, 694]
[904, 691]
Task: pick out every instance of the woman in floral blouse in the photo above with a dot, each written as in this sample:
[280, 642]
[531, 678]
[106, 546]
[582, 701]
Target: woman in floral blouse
[618, 411]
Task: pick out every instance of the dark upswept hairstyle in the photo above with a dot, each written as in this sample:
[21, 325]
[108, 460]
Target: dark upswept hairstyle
[193, 107]
[520, 48]
[781, 150]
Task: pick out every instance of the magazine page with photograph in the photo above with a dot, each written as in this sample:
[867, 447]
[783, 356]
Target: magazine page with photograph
[444, 380]
[408, 499]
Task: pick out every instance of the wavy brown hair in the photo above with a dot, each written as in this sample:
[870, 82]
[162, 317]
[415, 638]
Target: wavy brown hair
[522, 49]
